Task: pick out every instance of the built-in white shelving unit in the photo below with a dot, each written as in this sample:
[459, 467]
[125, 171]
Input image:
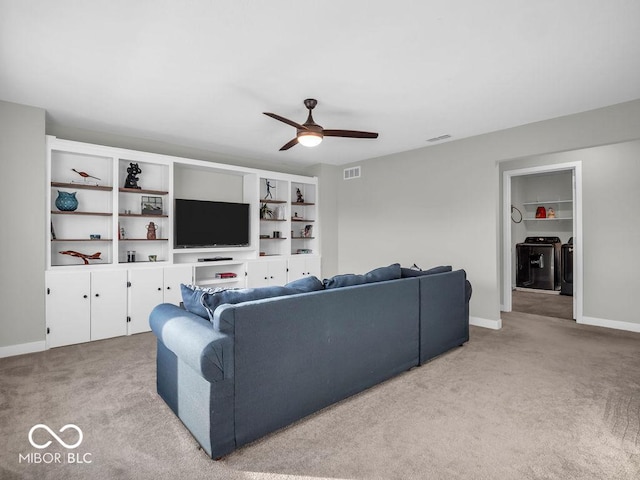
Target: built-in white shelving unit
[134, 271]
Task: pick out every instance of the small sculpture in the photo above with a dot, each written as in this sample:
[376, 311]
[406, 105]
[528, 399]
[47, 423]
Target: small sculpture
[132, 179]
[265, 211]
[300, 198]
[269, 187]
[85, 175]
[551, 213]
[83, 256]
[151, 231]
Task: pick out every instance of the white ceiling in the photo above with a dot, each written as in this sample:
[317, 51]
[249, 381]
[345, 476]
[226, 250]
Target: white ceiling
[201, 72]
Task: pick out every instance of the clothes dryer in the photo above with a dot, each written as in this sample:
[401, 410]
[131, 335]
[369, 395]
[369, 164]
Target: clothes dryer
[538, 263]
[566, 267]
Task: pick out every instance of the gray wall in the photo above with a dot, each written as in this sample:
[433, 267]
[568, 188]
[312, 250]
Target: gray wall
[611, 232]
[22, 195]
[441, 204]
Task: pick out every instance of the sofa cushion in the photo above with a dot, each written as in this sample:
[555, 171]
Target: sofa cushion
[211, 301]
[306, 284]
[192, 299]
[410, 272]
[392, 272]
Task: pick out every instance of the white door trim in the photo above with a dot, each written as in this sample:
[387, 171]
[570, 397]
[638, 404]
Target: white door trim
[576, 168]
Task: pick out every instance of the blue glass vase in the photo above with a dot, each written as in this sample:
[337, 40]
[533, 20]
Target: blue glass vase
[66, 201]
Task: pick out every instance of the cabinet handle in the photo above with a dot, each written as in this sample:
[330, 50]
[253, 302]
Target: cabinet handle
[266, 278]
[85, 296]
[168, 288]
[271, 276]
[159, 289]
[97, 294]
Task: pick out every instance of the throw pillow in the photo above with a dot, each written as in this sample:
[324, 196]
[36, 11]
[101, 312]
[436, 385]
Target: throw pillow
[410, 272]
[306, 284]
[211, 301]
[392, 272]
[193, 301]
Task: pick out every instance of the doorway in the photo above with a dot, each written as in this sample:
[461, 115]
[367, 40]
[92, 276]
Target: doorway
[543, 204]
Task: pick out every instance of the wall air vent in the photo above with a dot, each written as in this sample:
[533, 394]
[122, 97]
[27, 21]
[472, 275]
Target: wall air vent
[351, 173]
[437, 139]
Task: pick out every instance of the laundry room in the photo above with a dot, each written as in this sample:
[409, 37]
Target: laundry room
[542, 207]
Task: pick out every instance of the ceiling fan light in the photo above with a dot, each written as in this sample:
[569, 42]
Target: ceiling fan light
[309, 139]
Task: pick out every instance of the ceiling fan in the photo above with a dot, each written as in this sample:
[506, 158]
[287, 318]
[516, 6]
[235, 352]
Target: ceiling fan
[310, 133]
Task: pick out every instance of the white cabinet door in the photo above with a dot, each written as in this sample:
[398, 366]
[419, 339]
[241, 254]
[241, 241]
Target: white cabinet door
[277, 272]
[263, 273]
[68, 308]
[301, 266]
[173, 277]
[145, 292]
[108, 304]
[257, 274]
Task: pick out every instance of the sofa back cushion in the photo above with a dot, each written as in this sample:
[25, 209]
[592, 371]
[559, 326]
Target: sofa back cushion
[392, 272]
[411, 272]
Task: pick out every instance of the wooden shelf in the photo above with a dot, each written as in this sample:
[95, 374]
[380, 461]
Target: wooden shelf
[546, 219]
[301, 220]
[143, 240]
[548, 202]
[82, 240]
[302, 238]
[82, 186]
[272, 201]
[272, 238]
[302, 204]
[101, 214]
[142, 190]
[271, 220]
[142, 215]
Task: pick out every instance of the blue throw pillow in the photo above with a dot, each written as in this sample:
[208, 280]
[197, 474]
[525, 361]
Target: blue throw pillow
[306, 284]
[211, 301]
[345, 280]
[392, 272]
[192, 299]
[410, 272]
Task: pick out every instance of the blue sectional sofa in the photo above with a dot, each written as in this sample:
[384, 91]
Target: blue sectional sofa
[253, 367]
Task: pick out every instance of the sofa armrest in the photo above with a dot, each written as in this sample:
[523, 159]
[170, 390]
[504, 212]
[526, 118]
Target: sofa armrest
[193, 339]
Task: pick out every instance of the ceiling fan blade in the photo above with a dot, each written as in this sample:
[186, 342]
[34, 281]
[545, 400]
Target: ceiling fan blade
[290, 144]
[285, 120]
[349, 133]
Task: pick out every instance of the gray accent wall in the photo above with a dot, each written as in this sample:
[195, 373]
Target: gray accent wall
[22, 251]
[441, 204]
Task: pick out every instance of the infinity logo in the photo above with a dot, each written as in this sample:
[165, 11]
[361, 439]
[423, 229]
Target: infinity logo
[60, 441]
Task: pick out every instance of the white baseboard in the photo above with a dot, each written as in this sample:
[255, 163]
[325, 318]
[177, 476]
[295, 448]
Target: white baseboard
[486, 323]
[615, 324]
[22, 348]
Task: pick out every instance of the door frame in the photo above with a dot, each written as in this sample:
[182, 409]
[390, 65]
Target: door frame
[507, 266]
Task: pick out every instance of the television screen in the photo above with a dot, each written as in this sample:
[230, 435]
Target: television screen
[201, 223]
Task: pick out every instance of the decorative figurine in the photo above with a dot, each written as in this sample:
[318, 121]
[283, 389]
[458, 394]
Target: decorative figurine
[132, 178]
[265, 211]
[121, 234]
[85, 176]
[151, 231]
[83, 256]
[269, 187]
[300, 198]
[551, 213]
[541, 212]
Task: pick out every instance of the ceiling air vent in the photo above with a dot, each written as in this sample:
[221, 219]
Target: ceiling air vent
[351, 173]
[437, 139]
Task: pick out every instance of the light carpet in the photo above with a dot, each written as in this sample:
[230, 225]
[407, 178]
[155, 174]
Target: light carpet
[542, 398]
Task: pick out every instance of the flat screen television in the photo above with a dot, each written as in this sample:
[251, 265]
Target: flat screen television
[202, 223]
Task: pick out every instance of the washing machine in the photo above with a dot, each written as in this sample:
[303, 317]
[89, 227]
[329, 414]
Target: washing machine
[538, 263]
[566, 268]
